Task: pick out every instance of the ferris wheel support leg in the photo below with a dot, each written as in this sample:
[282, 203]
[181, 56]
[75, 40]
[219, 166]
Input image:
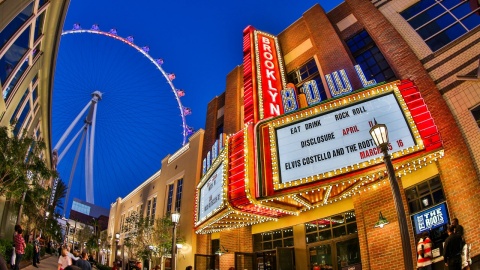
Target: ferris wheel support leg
[74, 166]
[69, 129]
[69, 145]
[91, 145]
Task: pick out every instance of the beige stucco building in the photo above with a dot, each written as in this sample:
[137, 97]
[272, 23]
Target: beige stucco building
[170, 189]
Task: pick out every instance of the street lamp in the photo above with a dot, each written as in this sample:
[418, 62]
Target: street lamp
[379, 133]
[117, 240]
[175, 219]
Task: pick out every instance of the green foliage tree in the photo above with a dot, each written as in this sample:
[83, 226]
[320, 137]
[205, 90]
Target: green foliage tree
[21, 164]
[147, 240]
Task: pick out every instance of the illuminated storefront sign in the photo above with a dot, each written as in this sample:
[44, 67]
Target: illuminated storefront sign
[270, 81]
[264, 76]
[339, 139]
[431, 218]
[211, 194]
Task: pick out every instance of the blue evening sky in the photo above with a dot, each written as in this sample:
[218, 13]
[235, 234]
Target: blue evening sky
[138, 121]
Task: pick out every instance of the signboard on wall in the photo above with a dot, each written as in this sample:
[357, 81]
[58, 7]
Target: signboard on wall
[339, 138]
[430, 218]
[211, 194]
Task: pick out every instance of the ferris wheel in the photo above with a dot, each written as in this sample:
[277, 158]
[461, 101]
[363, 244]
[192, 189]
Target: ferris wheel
[116, 113]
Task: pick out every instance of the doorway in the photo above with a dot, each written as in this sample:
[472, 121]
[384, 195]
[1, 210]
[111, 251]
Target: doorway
[341, 254]
[278, 259]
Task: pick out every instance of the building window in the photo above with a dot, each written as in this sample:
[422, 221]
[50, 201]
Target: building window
[440, 22]
[169, 199]
[15, 24]
[140, 211]
[273, 239]
[476, 115]
[154, 209]
[305, 73]
[331, 227]
[13, 55]
[369, 57]
[425, 195]
[149, 207]
[178, 197]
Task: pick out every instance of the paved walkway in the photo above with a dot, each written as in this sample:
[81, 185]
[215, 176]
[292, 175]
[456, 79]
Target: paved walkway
[50, 263]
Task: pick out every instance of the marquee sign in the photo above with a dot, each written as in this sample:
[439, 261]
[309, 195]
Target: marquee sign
[264, 75]
[339, 139]
[332, 139]
[210, 191]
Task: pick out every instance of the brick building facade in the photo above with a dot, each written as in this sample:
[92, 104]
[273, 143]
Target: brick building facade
[330, 40]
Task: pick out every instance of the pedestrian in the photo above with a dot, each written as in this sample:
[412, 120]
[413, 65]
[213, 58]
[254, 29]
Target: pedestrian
[424, 251]
[19, 246]
[189, 268]
[83, 262]
[64, 260]
[458, 227]
[73, 258]
[36, 251]
[453, 249]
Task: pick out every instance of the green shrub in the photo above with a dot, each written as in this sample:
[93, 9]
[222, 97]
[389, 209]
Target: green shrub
[103, 267]
[6, 248]
[28, 253]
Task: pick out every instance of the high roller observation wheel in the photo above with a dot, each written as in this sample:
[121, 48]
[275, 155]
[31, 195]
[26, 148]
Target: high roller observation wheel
[157, 62]
[60, 84]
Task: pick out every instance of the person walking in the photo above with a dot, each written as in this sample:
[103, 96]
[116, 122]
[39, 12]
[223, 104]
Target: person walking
[19, 246]
[453, 249]
[36, 251]
[64, 260]
[83, 262]
[424, 251]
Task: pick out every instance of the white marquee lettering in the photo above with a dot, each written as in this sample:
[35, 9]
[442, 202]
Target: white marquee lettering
[274, 109]
[269, 64]
[268, 55]
[271, 74]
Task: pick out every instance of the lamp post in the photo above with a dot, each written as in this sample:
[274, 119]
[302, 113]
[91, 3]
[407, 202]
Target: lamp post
[379, 133]
[175, 219]
[117, 240]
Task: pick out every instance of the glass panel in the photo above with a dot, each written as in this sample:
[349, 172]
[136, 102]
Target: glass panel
[423, 188]
[426, 16]
[462, 10]
[257, 242]
[348, 253]
[267, 245]
[323, 223]
[277, 235]
[324, 235]
[446, 37]
[352, 228]
[277, 243]
[337, 220]
[438, 196]
[310, 227]
[267, 237]
[339, 231]
[13, 55]
[15, 24]
[350, 216]
[435, 183]
[8, 90]
[34, 94]
[287, 232]
[288, 242]
[322, 256]
[39, 25]
[472, 21]
[312, 237]
[417, 8]
[414, 206]
[21, 119]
